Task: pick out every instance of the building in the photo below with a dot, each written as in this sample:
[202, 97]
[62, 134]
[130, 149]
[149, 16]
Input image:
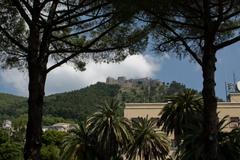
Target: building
[124, 82]
[7, 124]
[64, 127]
[231, 109]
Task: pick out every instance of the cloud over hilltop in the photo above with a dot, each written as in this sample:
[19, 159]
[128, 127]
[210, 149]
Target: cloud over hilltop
[66, 78]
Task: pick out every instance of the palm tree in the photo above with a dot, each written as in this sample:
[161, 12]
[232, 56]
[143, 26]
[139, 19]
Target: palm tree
[148, 142]
[183, 109]
[192, 147]
[79, 144]
[229, 145]
[112, 131]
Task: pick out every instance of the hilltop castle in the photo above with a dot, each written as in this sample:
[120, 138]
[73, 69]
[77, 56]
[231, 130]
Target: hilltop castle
[124, 82]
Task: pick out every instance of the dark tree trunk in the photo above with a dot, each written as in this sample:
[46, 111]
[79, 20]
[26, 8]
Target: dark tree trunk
[210, 102]
[37, 78]
[37, 66]
[146, 157]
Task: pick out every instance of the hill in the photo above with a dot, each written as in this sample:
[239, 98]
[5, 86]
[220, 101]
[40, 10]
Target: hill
[12, 106]
[79, 104]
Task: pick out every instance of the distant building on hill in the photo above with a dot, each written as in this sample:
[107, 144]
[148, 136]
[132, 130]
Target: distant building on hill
[7, 124]
[124, 82]
[64, 127]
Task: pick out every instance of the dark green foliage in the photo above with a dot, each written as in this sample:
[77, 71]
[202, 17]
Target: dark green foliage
[150, 94]
[10, 151]
[12, 106]
[20, 125]
[106, 135]
[183, 116]
[112, 131]
[79, 144]
[192, 146]
[50, 152]
[147, 142]
[180, 112]
[229, 145]
[4, 137]
[9, 148]
[79, 104]
[52, 142]
[53, 137]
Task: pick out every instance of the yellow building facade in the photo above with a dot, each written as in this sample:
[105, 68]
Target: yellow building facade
[152, 110]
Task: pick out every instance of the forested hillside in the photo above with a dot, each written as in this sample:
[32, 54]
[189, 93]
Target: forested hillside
[79, 104]
[150, 94]
[12, 106]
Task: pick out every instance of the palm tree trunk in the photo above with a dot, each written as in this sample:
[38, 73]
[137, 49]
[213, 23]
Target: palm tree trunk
[177, 137]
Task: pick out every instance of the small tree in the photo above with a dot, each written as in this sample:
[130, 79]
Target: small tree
[79, 144]
[182, 111]
[35, 32]
[148, 143]
[112, 131]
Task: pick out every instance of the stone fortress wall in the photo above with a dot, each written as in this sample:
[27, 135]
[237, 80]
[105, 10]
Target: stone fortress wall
[124, 82]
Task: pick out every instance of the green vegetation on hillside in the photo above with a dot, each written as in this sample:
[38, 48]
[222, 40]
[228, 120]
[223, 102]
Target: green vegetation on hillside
[12, 106]
[79, 104]
[150, 94]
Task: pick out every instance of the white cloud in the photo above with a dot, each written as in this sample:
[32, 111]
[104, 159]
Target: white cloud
[16, 80]
[66, 78]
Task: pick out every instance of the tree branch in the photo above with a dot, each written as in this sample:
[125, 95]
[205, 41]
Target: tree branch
[14, 41]
[47, 31]
[227, 43]
[89, 50]
[84, 49]
[80, 22]
[191, 52]
[22, 11]
[81, 32]
[67, 16]
[229, 29]
[231, 15]
[27, 5]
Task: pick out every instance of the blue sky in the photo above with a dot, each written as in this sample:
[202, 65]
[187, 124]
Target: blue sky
[164, 68]
[190, 74]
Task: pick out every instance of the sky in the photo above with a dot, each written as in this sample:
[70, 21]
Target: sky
[152, 65]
